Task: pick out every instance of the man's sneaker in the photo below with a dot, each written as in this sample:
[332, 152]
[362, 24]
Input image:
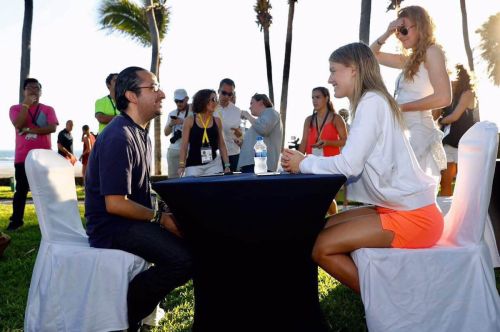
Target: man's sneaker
[13, 225]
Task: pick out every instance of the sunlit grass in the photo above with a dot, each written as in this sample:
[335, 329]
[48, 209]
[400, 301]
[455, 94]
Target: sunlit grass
[342, 308]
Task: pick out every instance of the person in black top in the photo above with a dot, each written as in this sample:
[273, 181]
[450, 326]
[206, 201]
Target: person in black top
[65, 143]
[203, 132]
[118, 206]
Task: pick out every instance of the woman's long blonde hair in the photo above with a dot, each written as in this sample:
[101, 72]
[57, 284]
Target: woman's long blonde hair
[425, 27]
[368, 78]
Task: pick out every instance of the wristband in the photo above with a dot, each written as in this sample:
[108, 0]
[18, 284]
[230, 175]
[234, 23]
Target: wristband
[227, 165]
[156, 217]
[379, 43]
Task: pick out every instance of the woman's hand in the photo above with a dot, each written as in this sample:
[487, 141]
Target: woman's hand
[394, 25]
[180, 171]
[227, 170]
[290, 160]
[319, 144]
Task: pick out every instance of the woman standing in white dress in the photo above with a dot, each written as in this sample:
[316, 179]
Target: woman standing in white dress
[422, 86]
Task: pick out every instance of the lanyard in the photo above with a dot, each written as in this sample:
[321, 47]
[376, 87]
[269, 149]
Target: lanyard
[320, 130]
[112, 104]
[34, 116]
[205, 125]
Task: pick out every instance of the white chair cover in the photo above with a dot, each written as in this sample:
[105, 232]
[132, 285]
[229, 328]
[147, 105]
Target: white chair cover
[73, 287]
[450, 287]
[444, 203]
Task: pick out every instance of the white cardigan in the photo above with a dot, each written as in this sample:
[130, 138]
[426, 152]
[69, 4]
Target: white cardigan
[378, 161]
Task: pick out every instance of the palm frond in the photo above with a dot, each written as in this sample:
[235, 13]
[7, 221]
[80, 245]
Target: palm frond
[128, 18]
[264, 18]
[490, 46]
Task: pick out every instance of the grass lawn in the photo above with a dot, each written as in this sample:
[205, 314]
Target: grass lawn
[6, 193]
[342, 308]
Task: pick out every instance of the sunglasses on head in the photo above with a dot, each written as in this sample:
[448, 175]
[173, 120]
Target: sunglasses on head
[227, 94]
[404, 30]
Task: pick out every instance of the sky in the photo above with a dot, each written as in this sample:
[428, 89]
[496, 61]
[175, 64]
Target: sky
[206, 42]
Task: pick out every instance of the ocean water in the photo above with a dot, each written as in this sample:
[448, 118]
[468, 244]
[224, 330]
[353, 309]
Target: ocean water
[7, 162]
[6, 158]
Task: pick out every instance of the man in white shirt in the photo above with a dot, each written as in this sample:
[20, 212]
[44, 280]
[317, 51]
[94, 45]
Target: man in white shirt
[230, 116]
[174, 124]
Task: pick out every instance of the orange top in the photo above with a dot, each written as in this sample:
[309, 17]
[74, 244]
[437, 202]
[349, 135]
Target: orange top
[329, 132]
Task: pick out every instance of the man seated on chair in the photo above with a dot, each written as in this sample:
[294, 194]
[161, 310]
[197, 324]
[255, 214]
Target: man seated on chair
[118, 207]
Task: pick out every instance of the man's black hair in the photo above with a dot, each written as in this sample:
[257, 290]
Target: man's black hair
[110, 78]
[127, 80]
[227, 81]
[31, 80]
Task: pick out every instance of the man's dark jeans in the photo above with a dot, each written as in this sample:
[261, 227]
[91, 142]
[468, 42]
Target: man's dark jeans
[172, 266]
[22, 188]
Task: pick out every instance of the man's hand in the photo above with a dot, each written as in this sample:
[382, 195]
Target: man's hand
[237, 132]
[290, 160]
[30, 100]
[168, 222]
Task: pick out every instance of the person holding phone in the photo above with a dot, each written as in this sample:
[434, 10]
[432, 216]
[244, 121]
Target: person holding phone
[173, 127]
[230, 116]
[34, 122]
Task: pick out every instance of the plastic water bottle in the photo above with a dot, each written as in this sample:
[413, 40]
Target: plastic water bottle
[260, 157]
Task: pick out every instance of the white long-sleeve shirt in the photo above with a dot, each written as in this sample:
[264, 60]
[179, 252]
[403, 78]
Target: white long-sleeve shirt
[378, 161]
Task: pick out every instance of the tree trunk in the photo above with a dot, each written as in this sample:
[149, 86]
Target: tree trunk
[155, 66]
[269, 65]
[25, 46]
[465, 31]
[286, 66]
[364, 22]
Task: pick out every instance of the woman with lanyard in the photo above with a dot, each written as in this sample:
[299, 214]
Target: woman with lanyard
[325, 131]
[201, 138]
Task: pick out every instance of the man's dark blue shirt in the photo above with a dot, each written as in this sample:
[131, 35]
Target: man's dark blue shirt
[119, 164]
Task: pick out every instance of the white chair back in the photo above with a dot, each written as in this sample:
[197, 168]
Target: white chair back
[465, 221]
[52, 184]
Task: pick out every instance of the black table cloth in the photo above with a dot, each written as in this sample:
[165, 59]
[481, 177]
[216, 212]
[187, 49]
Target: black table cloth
[252, 238]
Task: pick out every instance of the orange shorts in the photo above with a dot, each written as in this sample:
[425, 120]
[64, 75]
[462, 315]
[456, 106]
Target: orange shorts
[419, 228]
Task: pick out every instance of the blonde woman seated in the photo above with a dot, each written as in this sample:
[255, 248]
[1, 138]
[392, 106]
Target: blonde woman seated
[201, 139]
[381, 170]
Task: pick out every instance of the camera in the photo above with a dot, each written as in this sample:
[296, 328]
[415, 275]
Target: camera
[176, 136]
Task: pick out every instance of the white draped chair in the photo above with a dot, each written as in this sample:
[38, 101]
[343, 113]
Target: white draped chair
[73, 287]
[450, 287]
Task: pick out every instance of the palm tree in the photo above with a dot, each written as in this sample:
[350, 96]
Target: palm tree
[146, 25]
[286, 65]
[364, 22]
[465, 31]
[26, 45]
[264, 21]
[394, 5]
[490, 46]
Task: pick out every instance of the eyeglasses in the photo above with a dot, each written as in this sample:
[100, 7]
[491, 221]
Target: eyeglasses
[404, 30]
[178, 101]
[155, 87]
[227, 94]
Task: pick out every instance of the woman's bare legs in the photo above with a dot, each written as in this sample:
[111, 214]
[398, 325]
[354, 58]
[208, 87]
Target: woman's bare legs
[348, 215]
[447, 177]
[359, 228]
